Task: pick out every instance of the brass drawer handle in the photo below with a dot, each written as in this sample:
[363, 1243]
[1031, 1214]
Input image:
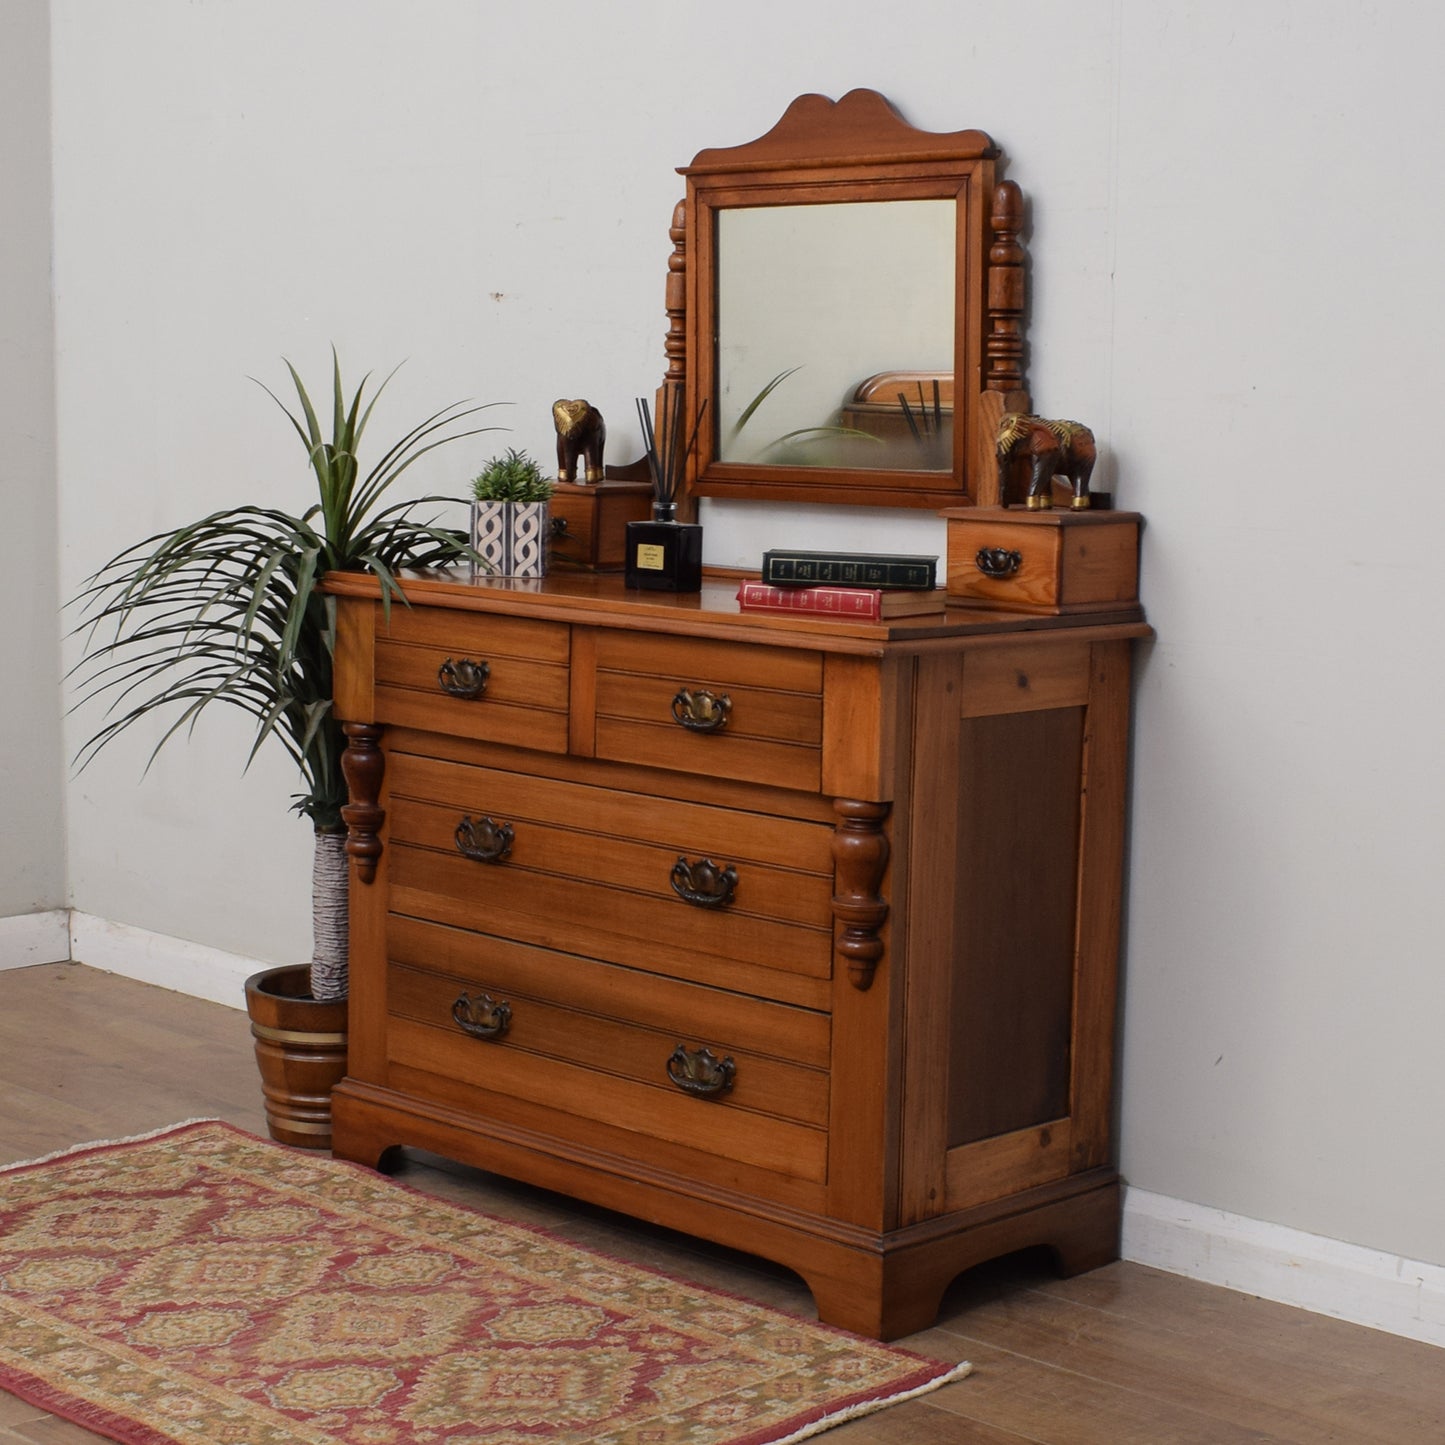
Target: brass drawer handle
[998, 562]
[700, 1071]
[701, 711]
[703, 883]
[463, 678]
[482, 1017]
[484, 840]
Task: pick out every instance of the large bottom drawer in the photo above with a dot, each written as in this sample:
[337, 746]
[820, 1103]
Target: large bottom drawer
[595, 1044]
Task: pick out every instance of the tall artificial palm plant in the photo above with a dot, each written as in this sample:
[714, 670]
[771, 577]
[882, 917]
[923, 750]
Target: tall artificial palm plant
[229, 610]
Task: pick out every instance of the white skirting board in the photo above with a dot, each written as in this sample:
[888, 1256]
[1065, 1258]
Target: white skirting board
[172, 963]
[31, 938]
[1326, 1276]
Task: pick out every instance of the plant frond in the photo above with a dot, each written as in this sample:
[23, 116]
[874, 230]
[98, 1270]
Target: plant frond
[228, 609]
[759, 399]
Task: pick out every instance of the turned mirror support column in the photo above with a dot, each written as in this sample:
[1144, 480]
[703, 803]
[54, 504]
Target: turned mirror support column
[362, 764]
[672, 394]
[1004, 344]
[860, 856]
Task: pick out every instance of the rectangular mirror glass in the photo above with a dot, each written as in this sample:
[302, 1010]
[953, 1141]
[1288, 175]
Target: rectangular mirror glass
[835, 335]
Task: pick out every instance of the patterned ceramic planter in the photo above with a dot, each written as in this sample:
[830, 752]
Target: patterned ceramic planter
[512, 537]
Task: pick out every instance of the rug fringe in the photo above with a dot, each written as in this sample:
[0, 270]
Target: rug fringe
[869, 1407]
[105, 1144]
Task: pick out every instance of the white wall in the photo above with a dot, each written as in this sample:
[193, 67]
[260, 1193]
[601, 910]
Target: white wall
[1278, 311]
[32, 846]
[1233, 222]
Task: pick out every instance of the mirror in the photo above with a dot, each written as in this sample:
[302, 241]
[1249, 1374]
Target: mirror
[847, 300]
[805, 335]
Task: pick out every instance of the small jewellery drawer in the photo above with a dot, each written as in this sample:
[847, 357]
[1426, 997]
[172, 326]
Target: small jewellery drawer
[589, 522]
[501, 679]
[1054, 561]
[715, 894]
[596, 1045]
[703, 706]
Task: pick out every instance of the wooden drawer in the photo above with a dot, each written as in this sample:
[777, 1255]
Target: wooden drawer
[773, 697]
[595, 871]
[589, 522]
[592, 1043]
[424, 656]
[1047, 562]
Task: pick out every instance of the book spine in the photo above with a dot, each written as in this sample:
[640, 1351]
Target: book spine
[862, 602]
[884, 572]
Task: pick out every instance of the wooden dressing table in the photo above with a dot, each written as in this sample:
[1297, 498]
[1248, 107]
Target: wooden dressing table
[792, 933]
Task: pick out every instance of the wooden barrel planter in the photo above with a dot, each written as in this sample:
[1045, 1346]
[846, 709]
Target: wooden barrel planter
[301, 1051]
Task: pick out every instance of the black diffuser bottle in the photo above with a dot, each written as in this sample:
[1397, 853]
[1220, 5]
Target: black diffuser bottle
[665, 555]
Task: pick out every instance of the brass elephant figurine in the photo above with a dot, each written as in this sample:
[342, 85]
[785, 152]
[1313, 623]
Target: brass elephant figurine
[1048, 449]
[582, 433]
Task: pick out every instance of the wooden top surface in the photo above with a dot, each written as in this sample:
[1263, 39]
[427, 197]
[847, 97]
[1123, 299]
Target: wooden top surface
[603, 599]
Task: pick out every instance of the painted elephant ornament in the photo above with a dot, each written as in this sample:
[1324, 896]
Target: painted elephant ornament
[581, 435]
[1042, 450]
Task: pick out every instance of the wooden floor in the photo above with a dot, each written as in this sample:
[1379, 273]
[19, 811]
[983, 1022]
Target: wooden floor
[1120, 1355]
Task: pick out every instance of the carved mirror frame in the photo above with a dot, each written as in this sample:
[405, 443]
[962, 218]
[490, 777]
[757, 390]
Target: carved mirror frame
[859, 149]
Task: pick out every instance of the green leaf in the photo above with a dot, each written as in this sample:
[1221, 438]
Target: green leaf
[226, 610]
[759, 399]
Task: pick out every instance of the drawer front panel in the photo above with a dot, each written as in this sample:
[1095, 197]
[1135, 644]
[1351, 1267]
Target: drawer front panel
[1050, 564]
[427, 657]
[782, 839]
[477, 633]
[608, 1070]
[611, 1047]
[689, 658]
[585, 985]
[783, 867]
[453, 1070]
[773, 728]
[656, 931]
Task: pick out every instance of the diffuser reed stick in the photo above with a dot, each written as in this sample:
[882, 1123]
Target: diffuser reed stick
[932, 420]
[668, 465]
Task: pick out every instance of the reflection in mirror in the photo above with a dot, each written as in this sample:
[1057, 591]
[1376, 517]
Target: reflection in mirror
[835, 334]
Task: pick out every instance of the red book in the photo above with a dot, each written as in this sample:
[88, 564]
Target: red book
[864, 604]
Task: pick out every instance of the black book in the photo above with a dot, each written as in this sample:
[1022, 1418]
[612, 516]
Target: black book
[785, 567]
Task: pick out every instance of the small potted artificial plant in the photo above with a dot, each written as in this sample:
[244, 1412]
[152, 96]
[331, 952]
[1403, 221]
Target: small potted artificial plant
[230, 609]
[511, 516]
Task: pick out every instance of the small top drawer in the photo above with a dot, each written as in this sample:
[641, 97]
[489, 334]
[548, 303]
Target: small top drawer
[1053, 561]
[705, 706]
[500, 679]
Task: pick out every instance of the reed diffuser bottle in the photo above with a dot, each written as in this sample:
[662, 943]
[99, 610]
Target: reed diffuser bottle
[665, 555]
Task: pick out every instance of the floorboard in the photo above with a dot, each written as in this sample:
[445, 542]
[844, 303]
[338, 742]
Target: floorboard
[1121, 1355]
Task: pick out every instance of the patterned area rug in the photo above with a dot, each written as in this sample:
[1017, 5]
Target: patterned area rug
[204, 1287]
